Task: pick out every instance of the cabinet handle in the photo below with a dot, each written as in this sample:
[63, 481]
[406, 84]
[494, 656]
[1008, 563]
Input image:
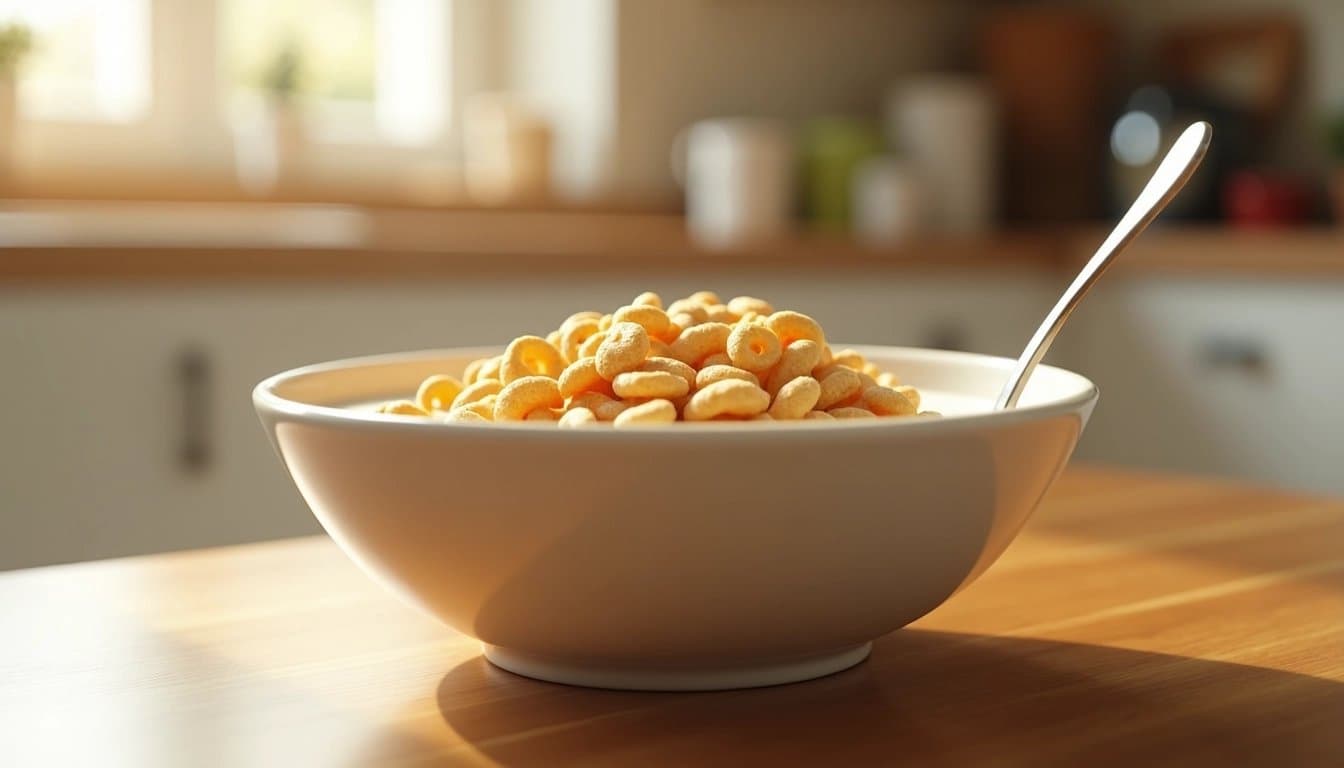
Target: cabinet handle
[193, 384]
[1240, 355]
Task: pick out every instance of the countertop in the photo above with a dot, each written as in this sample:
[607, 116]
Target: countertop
[1139, 620]
[46, 241]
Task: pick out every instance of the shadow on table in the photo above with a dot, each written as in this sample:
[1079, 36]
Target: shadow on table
[933, 698]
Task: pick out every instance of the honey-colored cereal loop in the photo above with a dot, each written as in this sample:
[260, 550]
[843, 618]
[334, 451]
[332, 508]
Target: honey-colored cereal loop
[889, 379]
[798, 359]
[490, 368]
[705, 298]
[792, 326]
[871, 370]
[604, 322]
[741, 305]
[886, 402]
[436, 393]
[578, 417]
[648, 299]
[700, 341]
[730, 397]
[818, 415]
[718, 358]
[530, 356]
[653, 412]
[603, 407]
[473, 369]
[796, 398]
[849, 358]
[689, 308]
[839, 387]
[626, 346]
[654, 320]
[573, 335]
[712, 373]
[587, 314]
[850, 412]
[477, 390]
[553, 338]
[464, 415]
[402, 408]
[660, 348]
[543, 414]
[582, 376]
[521, 397]
[719, 313]
[908, 392]
[485, 407]
[865, 381]
[649, 384]
[753, 347]
[671, 365]
[589, 347]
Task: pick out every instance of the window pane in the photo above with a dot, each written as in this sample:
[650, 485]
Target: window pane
[333, 41]
[90, 58]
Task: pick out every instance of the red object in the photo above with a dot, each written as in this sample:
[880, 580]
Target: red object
[1256, 200]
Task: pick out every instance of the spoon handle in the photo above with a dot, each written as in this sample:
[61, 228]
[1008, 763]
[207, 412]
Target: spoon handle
[1176, 169]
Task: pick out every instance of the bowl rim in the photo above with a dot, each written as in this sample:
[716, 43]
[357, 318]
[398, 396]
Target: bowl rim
[271, 406]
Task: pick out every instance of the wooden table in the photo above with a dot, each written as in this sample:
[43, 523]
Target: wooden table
[1139, 620]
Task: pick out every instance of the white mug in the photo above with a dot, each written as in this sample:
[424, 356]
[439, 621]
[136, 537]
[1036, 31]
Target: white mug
[889, 204]
[738, 177]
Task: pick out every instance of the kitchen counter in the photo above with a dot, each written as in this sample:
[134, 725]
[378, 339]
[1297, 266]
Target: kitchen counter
[1139, 619]
[100, 241]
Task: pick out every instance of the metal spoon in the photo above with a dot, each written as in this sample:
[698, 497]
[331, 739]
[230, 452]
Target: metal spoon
[1176, 169]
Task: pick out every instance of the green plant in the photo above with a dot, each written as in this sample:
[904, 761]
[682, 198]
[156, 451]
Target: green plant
[1334, 136]
[284, 74]
[16, 40]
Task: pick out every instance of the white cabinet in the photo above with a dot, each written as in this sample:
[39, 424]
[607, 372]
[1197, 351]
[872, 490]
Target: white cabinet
[109, 391]
[1229, 377]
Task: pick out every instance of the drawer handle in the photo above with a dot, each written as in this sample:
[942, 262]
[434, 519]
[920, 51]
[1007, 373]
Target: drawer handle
[1241, 355]
[193, 384]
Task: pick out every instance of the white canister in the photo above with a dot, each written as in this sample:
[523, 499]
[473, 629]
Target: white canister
[738, 177]
[888, 202]
[945, 127]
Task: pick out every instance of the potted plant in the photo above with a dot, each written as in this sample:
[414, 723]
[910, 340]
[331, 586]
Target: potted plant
[15, 43]
[281, 82]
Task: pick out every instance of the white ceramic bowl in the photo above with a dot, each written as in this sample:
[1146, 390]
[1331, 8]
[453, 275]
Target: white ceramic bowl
[685, 556]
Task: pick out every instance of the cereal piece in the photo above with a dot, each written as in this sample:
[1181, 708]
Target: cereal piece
[796, 398]
[849, 358]
[671, 365]
[573, 335]
[871, 370]
[648, 299]
[626, 346]
[865, 381]
[888, 379]
[753, 347]
[521, 397]
[730, 397]
[839, 387]
[700, 341]
[589, 347]
[530, 356]
[553, 338]
[685, 308]
[719, 313]
[472, 371]
[582, 376]
[476, 391]
[648, 384]
[704, 298]
[464, 416]
[741, 305]
[604, 322]
[798, 359]
[712, 373]
[490, 368]
[578, 417]
[791, 326]
[652, 412]
[886, 402]
[543, 414]
[850, 412]
[603, 407]
[826, 357]
[818, 416]
[436, 393]
[485, 407]
[660, 348]
[587, 314]
[653, 319]
[402, 408]
[718, 358]
[910, 393]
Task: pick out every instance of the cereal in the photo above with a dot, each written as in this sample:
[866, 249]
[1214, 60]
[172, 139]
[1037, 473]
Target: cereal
[578, 417]
[700, 341]
[530, 356]
[520, 397]
[653, 412]
[624, 349]
[649, 384]
[697, 358]
[712, 373]
[730, 397]
[436, 393]
[796, 398]
[476, 391]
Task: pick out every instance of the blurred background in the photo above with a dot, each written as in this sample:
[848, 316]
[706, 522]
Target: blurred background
[195, 194]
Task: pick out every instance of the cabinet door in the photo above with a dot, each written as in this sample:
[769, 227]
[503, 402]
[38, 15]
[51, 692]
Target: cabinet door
[1227, 377]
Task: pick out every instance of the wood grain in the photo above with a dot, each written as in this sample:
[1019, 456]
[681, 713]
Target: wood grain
[1139, 619]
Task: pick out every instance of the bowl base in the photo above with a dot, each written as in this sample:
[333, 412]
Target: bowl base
[676, 679]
